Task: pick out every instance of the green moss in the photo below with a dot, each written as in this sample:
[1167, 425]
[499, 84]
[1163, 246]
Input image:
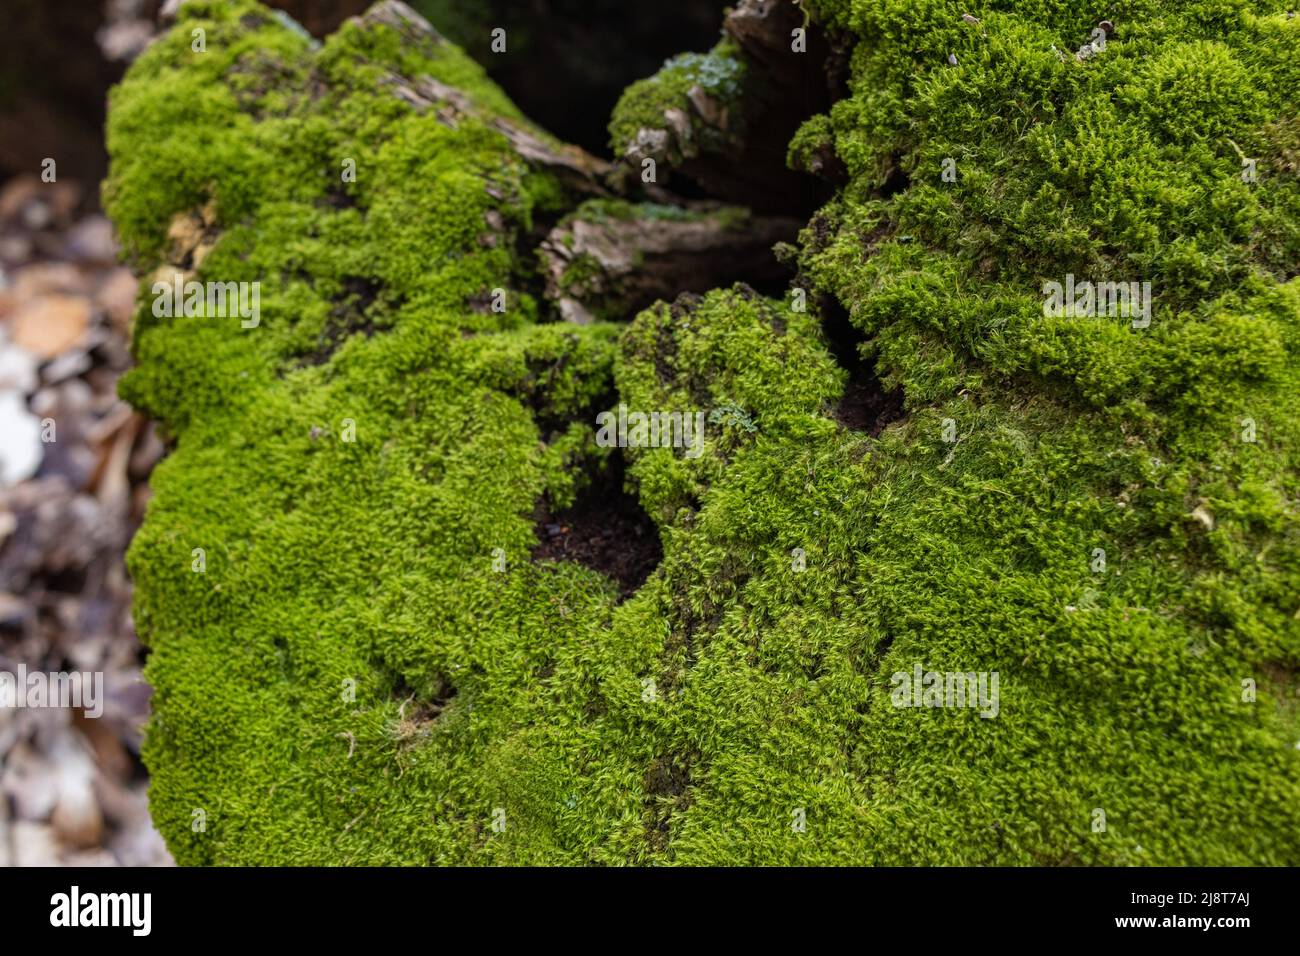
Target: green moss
[804, 563]
[816, 135]
[312, 542]
[1076, 433]
[732, 350]
[719, 73]
[578, 273]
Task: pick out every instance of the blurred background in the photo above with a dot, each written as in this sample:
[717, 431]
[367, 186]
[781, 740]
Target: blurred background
[73, 790]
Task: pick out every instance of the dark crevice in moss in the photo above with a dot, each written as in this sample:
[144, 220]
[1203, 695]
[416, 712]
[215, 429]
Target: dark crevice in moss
[866, 405]
[536, 394]
[480, 303]
[336, 197]
[418, 710]
[667, 791]
[665, 354]
[349, 316]
[531, 279]
[896, 179]
[605, 529]
[703, 622]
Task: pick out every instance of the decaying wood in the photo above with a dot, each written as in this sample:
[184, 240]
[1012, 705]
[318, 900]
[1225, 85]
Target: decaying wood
[626, 264]
[736, 151]
[578, 169]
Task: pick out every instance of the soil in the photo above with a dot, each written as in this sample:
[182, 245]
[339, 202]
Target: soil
[605, 530]
[866, 405]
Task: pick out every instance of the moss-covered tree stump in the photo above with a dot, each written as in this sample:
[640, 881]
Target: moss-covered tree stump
[403, 607]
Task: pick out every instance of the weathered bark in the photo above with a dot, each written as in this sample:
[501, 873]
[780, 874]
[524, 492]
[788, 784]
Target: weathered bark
[602, 267]
[735, 150]
[577, 168]
[598, 264]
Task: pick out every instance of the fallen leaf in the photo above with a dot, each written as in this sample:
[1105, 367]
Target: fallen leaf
[50, 324]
